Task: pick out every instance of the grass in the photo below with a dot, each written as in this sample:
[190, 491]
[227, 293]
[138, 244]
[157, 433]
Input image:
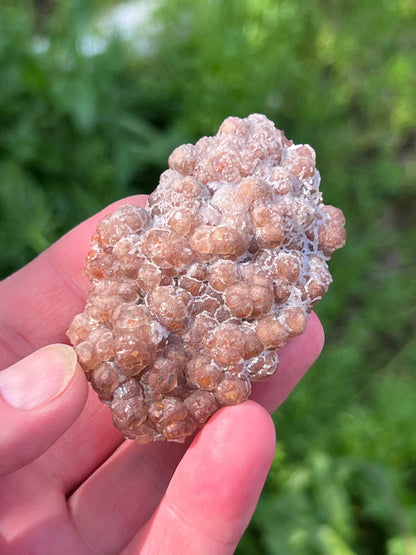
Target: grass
[81, 131]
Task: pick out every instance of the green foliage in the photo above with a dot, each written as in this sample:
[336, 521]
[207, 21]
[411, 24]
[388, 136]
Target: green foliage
[79, 131]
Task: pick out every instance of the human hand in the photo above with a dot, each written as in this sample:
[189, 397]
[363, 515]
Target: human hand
[70, 483]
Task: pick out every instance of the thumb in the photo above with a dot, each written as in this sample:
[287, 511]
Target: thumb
[40, 397]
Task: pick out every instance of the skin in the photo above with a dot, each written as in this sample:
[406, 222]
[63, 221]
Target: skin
[69, 481]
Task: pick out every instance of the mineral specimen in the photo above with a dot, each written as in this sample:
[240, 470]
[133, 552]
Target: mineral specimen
[192, 297]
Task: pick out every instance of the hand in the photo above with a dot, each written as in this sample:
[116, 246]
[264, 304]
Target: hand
[69, 482]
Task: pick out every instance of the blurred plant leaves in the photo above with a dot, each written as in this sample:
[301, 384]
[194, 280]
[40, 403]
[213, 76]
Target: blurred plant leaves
[85, 123]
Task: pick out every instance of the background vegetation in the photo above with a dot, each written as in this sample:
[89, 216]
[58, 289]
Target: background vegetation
[89, 114]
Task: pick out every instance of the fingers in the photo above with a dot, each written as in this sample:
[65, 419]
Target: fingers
[208, 503]
[40, 300]
[123, 493]
[96, 438]
[40, 397]
[38, 303]
[88, 443]
[215, 488]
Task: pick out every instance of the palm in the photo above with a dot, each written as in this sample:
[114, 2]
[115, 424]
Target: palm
[93, 492]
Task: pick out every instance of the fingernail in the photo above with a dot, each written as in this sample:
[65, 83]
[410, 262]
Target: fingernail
[38, 378]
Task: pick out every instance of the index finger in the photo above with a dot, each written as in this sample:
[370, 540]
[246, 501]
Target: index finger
[40, 300]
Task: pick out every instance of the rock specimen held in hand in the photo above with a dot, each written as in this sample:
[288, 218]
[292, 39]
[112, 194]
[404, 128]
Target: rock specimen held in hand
[192, 297]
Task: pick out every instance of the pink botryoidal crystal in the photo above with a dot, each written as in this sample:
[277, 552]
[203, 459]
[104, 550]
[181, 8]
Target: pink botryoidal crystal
[192, 297]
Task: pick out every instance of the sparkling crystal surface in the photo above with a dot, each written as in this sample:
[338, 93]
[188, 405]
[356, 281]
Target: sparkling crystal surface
[192, 297]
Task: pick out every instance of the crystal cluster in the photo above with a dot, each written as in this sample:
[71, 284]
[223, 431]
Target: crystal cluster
[192, 297]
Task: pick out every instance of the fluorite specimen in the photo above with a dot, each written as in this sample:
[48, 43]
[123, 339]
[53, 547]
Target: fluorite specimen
[192, 297]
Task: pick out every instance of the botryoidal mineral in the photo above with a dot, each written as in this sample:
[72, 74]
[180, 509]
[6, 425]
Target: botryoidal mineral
[192, 297]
